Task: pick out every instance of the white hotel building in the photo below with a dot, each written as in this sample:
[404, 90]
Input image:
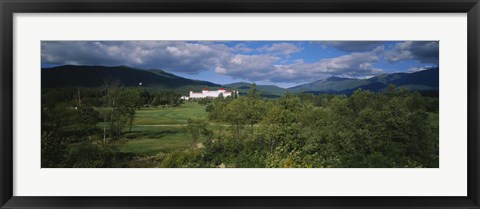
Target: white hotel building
[207, 93]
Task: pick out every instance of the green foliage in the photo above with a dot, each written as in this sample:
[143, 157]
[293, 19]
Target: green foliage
[53, 151]
[282, 123]
[366, 129]
[217, 110]
[282, 158]
[87, 128]
[373, 130]
[239, 111]
[75, 120]
[56, 116]
[95, 154]
[120, 107]
[206, 100]
[236, 113]
[253, 92]
[233, 152]
[198, 130]
[86, 119]
[180, 159]
[159, 98]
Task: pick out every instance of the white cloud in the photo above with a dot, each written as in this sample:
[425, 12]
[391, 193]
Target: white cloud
[220, 70]
[194, 57]
[266, 68]
[242, 47]
[168, 55]
[418, 69]
[251, 67]
[281, 48]
[423, 51]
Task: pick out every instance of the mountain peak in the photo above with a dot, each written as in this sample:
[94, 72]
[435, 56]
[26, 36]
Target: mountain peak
[238, 83]
[122, 66]
[336, 78]
[93, 76]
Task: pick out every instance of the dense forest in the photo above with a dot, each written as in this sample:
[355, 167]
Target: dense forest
[394, 128]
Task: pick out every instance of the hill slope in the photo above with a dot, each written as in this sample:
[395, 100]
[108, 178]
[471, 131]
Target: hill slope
[94, 76]
[267, 90]
[331, 84]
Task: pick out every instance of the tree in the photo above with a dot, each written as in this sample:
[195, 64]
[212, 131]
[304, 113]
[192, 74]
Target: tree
[282, 124]
[234, 94]
[56, 116]
[111, 88]
[210, 108]
[198, 129]
[255, 112]
[237, 114]
[122, 104]
[53, 150]
[92, 153]
[129, 102]
[371, 130]
[253, 92]
[217, 110]
[86, 118]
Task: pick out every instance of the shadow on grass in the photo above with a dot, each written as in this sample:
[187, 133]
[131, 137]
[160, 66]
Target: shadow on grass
[149, 134]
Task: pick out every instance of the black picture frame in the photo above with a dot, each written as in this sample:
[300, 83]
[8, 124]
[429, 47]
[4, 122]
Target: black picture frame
[10, 7]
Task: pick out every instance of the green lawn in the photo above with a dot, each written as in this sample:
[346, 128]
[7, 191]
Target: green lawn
[158, 130]
[152, 140]
[169, 115]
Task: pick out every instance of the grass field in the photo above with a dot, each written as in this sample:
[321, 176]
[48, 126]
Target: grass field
[170, 115]
[157, 130]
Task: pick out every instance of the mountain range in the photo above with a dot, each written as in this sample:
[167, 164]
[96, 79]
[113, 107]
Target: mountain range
[94, 76]
[426, 80]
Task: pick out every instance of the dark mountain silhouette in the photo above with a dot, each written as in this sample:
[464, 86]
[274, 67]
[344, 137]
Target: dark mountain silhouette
[94, 76]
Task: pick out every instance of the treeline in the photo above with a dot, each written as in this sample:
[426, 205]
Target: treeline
[160, 98]
[95, 96]
[385, 130]
[94, 120]
[209, 100]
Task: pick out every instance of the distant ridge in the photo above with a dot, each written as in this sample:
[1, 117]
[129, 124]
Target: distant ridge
[426, 80]
[266, 90]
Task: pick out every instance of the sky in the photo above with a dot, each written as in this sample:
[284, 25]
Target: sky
[281, 63]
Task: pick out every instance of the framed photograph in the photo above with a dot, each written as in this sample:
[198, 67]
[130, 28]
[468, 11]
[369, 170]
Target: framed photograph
[239, 104]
